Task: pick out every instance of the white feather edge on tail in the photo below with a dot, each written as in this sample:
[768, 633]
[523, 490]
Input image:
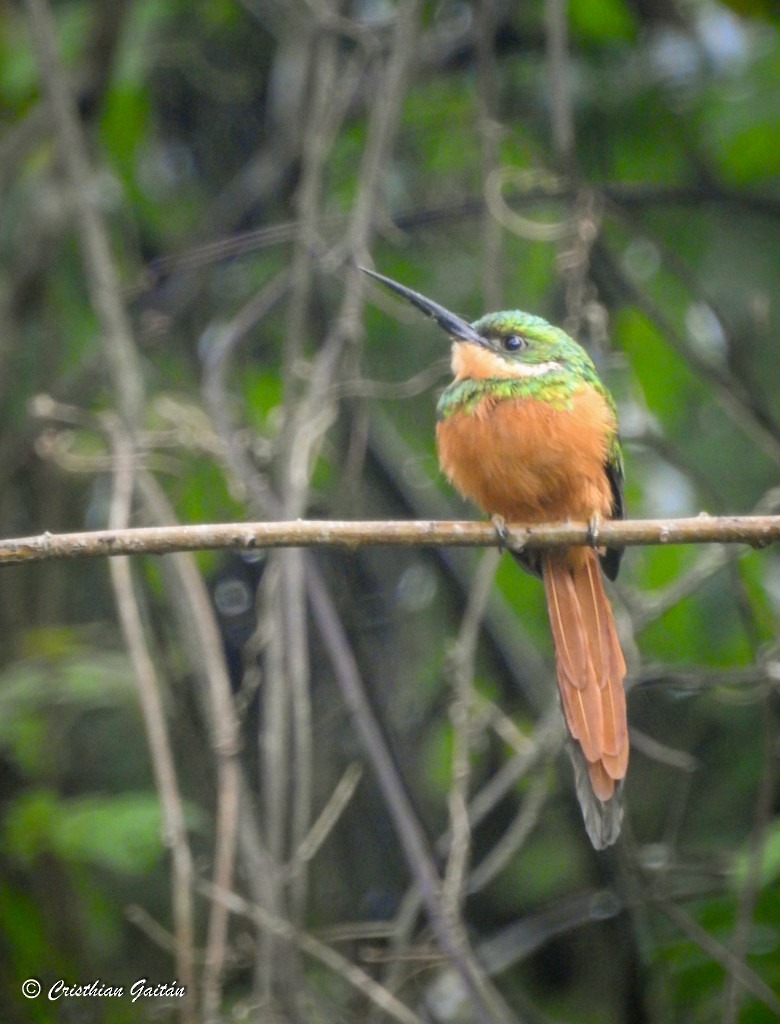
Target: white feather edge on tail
[603, 818]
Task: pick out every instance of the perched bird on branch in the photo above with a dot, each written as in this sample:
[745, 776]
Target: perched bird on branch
[528, 432]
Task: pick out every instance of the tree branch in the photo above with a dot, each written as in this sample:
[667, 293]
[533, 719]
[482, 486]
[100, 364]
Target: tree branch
[150, 698]
[758, 531]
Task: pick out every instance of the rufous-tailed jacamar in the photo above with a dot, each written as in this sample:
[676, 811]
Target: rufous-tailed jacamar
[527, 431]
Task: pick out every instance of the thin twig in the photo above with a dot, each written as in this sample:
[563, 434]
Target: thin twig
[490, 156]
[312, 947]
[328, 817]
[547, 739]
[244, 474]
[648, 606]
[122, 360]
[730, 393]
[463, 656]
[758, 677]
[488, 1004]
[680, 760]
[513, 838]
[561, 113]
[151, 928]
[749, 892]
[296, 684]
[273, 744]
[193, 605]
[305, 421]
[722, 955]
[161, 754]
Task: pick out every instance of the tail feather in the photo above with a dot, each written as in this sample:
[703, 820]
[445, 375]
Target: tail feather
[576, 682]
[610, 666]
[590, 665]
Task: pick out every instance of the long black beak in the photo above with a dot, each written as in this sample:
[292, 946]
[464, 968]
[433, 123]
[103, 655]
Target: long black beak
[451, 323]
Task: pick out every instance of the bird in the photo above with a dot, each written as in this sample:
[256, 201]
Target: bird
[528, 432]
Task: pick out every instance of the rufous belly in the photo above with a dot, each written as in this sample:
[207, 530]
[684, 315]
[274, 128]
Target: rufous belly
[528, 460]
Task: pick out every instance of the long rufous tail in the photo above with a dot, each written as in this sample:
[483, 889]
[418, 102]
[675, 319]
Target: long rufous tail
[590, 668]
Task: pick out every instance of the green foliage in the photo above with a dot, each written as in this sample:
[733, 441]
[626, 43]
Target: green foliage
[541, 874]
[768, 864]
[437, 758]
[39, 697]
[740, 117]
[262, 394]
[602, 21]
[120, 833]
[670, 390]
[439, 142]
[689, 619]
[343, 167]
[124, 127]
[658, 566]
[697, 981]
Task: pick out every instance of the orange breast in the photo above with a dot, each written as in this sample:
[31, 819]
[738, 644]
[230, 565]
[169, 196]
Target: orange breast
[528, 461]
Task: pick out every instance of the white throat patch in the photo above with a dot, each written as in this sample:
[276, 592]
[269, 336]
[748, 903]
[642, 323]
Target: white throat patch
[533, 369]
[478, 361]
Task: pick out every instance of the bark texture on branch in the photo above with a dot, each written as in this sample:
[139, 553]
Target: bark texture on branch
[757, 531]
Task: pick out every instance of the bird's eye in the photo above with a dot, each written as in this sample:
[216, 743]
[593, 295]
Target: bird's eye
[514, 342]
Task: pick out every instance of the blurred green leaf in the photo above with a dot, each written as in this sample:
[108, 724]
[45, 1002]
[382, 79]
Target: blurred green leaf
[118, 833]
[769, 864]
[602, 20]
[669, 388]
[38, 695]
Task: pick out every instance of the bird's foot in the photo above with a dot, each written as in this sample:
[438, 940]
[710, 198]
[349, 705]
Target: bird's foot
[499, 525]
[594, 525]
[505, 541]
